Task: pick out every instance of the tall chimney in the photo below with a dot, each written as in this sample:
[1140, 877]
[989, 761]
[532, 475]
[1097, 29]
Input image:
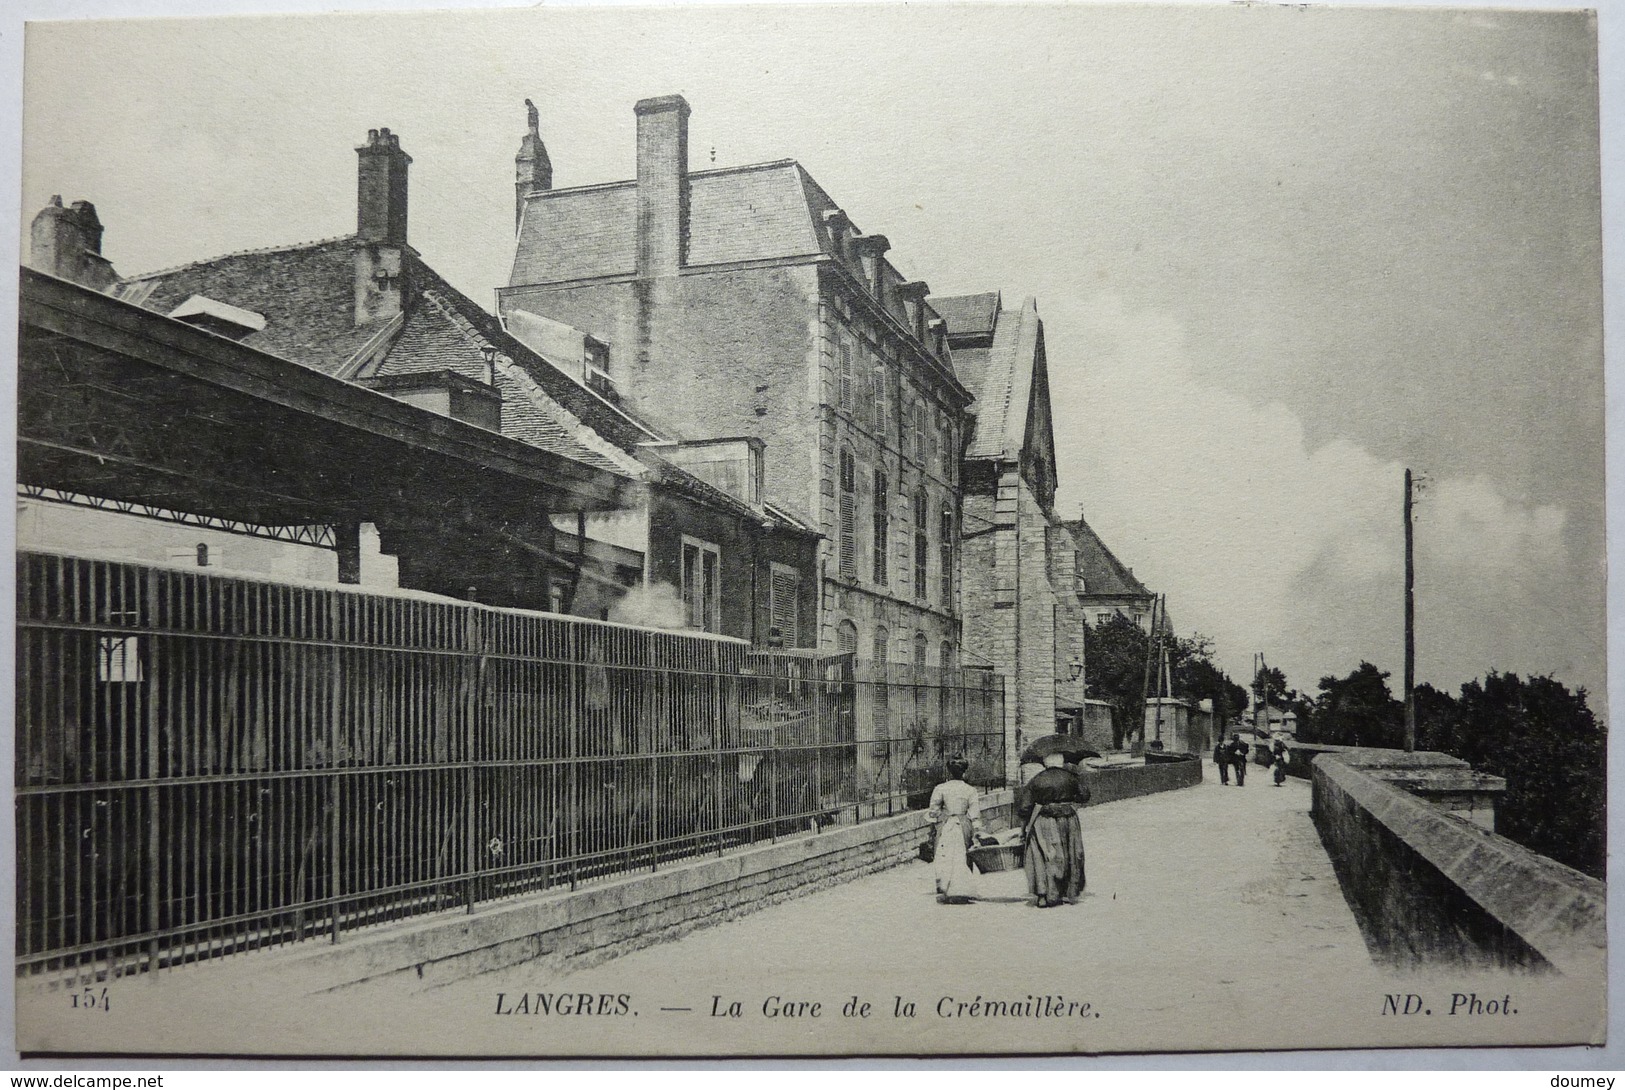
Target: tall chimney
[380, 227]
[532, 169]
[67, 242]
[662, 185]
[381, 189]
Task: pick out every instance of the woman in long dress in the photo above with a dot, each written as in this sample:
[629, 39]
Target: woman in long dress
[1053, 856]
[955, 807]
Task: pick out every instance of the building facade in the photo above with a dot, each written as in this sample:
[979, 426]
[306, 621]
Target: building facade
[744, 302]
[1019, 568]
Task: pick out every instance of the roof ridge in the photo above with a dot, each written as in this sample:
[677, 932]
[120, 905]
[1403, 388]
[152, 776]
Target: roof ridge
[712, 172]
[153, 275]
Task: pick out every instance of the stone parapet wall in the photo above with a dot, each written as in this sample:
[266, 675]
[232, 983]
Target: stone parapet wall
[1166, 773]
[575, 929]
[1431, 889]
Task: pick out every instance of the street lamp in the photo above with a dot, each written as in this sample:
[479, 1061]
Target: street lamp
[1074, 669]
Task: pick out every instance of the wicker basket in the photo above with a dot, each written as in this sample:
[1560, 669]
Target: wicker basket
[992, 858]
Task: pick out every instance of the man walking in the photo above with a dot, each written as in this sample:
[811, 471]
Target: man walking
[1221, 759]
[1238, 754]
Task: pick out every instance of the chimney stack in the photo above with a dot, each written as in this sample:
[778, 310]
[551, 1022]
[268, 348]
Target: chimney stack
[380, 227]
[381, 189]
[662, 185]
[532, 169]
[67, 242]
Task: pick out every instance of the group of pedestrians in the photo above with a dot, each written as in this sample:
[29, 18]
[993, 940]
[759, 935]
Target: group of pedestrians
[1051, 836]
[1233, 755]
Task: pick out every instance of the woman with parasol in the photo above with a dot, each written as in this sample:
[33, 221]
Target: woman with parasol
[1053, 837]
[955, 807]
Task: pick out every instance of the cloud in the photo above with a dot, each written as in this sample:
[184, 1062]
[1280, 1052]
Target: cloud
[1266, 544]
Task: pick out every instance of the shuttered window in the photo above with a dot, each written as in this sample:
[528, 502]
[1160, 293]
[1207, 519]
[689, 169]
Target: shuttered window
[846, 376]
[784, 593]
[849, 515]
[945, 551]
[702, 574]
[882, 526]
[922, 544]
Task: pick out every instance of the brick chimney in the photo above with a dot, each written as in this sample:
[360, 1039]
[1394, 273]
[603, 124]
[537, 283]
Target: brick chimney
[67, 242]
[380, 226]
[532, 169]
[662, 185]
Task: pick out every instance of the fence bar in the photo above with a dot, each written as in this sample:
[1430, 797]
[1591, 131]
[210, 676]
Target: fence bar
[207, 764]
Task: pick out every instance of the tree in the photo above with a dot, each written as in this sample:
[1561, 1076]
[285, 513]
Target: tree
[1269, 685]
[1357, 710]
[1198, 679]
[1548, 745]
[1116, 654]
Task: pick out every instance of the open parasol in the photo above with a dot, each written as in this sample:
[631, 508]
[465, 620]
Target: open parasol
[1069, 746]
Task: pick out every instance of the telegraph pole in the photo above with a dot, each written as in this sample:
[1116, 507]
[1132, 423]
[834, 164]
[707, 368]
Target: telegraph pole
[1410, 626]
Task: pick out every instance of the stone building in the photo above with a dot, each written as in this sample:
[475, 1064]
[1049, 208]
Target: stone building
[744, 302]
[368, 309]
[1107, 586]
[1018, 573]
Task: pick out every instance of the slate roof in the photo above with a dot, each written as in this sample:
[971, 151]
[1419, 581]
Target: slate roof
[999, 375]
[306, 293]
[769, 210]
[1103, 574]
[968, 315]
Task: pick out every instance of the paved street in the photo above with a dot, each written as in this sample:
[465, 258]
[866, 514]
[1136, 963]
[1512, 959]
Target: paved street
[1200, 901]
[1212, 920]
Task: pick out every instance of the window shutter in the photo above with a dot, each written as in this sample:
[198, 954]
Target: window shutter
[784, 588]
[846, 376]
[849, 545]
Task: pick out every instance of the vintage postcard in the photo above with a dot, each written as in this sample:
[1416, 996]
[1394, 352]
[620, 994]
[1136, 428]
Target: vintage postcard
[809, 531]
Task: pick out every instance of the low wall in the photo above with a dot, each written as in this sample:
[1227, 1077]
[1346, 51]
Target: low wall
[575, 929]
[1165, 772]
[1304, 754]
[1432, 889]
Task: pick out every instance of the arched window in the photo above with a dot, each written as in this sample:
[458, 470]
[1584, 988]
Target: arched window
[848, 514]
[922, 648]
[922, 544]
[882, 526]
[202, 554]
[947, 655]
[846, 638]
[881, 695]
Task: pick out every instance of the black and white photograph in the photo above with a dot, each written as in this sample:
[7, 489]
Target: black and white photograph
[918, 530]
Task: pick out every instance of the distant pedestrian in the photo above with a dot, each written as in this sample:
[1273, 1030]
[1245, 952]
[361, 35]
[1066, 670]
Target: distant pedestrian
[1283, 757]
[1238, 756]
[1053, 838]
[1221, 759]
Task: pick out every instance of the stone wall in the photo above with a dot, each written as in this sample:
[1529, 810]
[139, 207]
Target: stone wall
[1430, 889]
[1167, 773]
[573, 930]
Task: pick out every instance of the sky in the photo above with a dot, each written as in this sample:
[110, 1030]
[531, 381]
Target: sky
[1281, 253]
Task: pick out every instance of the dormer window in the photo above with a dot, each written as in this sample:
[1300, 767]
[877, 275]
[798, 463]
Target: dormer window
[219, 318]
[386, 281]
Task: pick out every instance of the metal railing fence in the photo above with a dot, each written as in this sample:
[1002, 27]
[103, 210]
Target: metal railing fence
[208, 764]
